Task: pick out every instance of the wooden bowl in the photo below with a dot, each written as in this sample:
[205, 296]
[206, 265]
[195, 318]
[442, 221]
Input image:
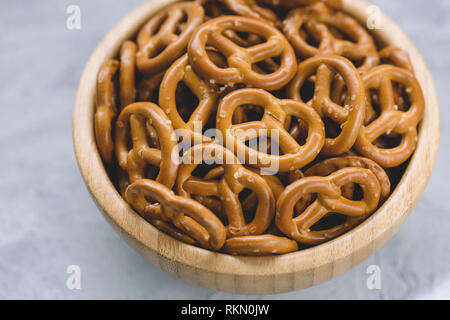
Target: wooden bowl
[252, 275]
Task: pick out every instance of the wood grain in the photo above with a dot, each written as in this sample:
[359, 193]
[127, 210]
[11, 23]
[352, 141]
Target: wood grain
[253, 275]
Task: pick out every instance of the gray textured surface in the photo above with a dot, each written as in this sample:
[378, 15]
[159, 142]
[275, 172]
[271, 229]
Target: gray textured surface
[48, 221]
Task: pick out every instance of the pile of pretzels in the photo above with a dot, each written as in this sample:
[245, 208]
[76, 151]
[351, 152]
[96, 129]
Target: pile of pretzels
[345, 112]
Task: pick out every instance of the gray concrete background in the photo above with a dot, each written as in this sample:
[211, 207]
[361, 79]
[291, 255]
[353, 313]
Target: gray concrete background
[48, 221]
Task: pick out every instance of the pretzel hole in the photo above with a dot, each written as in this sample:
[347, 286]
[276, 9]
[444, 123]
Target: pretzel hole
[307, 89]
[352, 191]
[267, 66]
[388, 141]
[202, 169]
[249, 204]
[152, 172]
[358, 63]
[308, 36]
[338, 34]
[331, 220]
[263, 144]
[303, 203]
[299, 130]
[181, 26]
[401, 97]
[332, 129]
[247, 113]
[157, 50]
[186, 101]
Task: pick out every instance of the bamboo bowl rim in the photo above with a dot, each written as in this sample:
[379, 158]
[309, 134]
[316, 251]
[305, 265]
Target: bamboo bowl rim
[254, 275]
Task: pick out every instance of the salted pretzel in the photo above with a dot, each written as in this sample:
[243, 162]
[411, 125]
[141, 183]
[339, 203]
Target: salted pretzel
[188, 215]
[260, 245]
[131, 129]
[106, 109]
[127, 74]
[251, 9]
[329, 200]
[250, 202]
[389, 55]
[318, 20]
[275, 113]
[181, 71]
[397, 57]
[327, 167]
[161, 41]
[391, 120]
[235, 179]
[157, 222]
[350, 116]
[240, 60]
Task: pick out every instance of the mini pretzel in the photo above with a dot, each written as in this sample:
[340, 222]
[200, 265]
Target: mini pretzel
[391, 120]
[158, 41]
[329, 200]
[318, 19]
[127, 74]
[250, 9]
[350, 117]
[157, 222]
[186, 214]
[106, 109]
[235, 179]
[389, 55]
[326, 167]
[240, 60]
[181, 71]
[261, 245]
[275, 113]
[397, 57]
[131, 127]
[249, 203]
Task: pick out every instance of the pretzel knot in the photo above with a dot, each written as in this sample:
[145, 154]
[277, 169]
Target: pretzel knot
[106, 109]
[240, 59]
[351, 116]
[186, 214]
[249, 203]
[320, 22]
[261, 245]
[391, 120]
[329, 166]
[276, 112]
[132, 127]
[329, 200]
[164, 38]
[235, 179]
[181, 71]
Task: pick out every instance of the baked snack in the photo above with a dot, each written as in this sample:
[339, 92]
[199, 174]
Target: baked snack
[256, 127]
